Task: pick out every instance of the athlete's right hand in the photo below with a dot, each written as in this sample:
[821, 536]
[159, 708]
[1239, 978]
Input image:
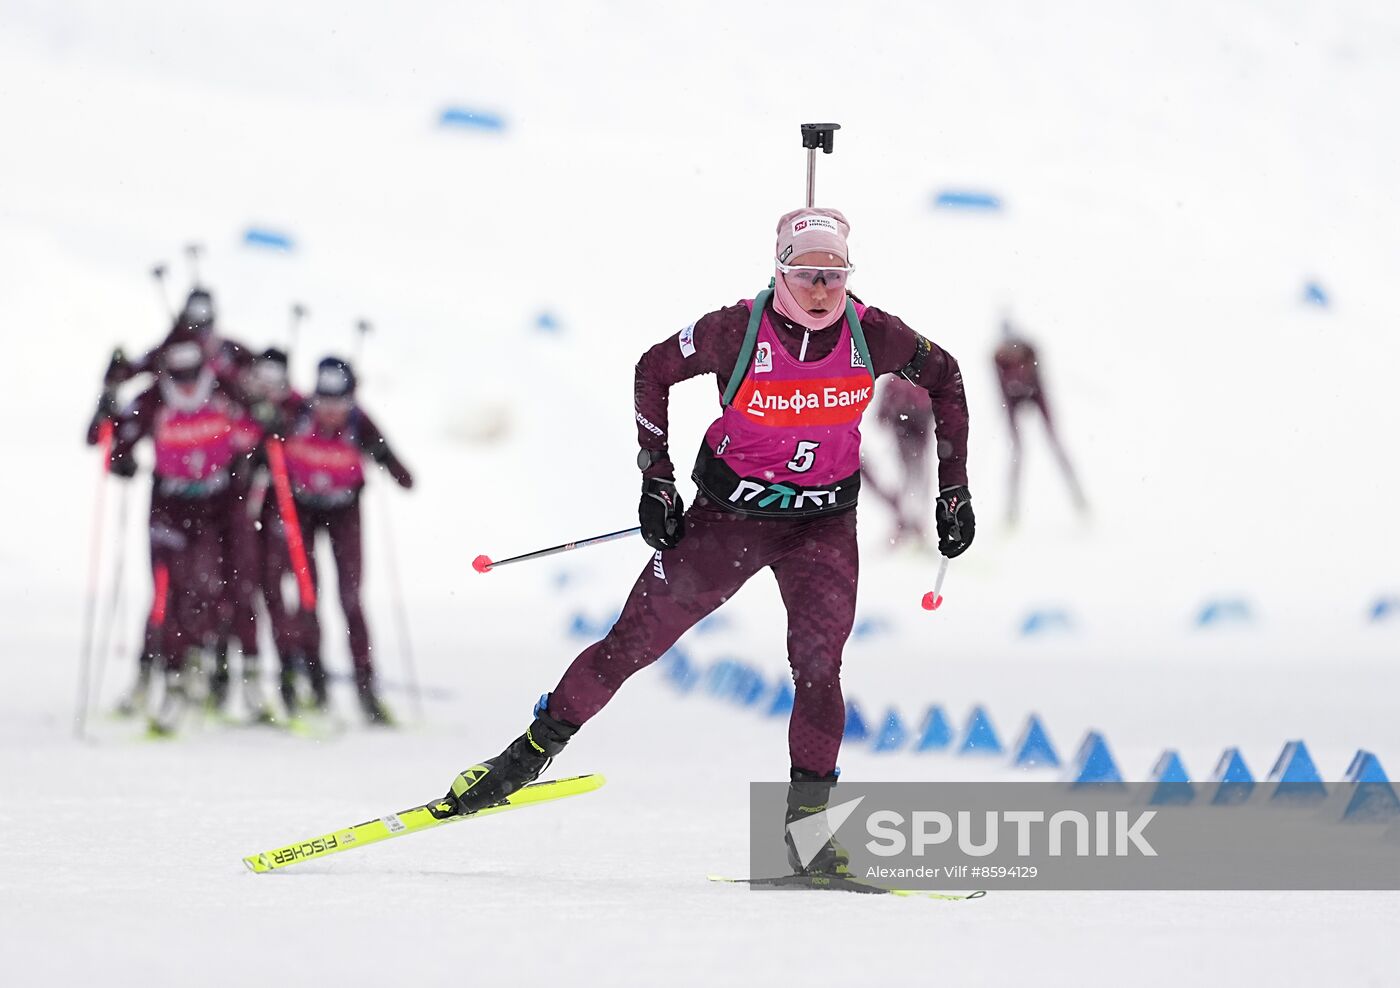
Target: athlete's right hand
[661, 513]
[123, 466]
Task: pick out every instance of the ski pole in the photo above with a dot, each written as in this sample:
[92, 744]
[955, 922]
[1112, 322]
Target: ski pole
[483, 564]
[158, 273]
[362, 328]
[114, 601]
[298, 314]
[94, 563]
[934, 598]
[817, 135]
[400, 612]
[291, 525]
[192, 251]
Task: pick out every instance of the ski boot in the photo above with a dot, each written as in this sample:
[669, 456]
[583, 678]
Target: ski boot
[254, 701]
[521, 763]
[375, 711]
[165, 721]
[811, 847]
[134, 703]
[217, 698]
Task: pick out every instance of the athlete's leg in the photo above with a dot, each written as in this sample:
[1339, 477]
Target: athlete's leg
[676, 589]
[817, 578]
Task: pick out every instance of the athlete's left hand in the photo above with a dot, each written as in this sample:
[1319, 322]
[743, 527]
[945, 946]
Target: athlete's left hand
[953, 516]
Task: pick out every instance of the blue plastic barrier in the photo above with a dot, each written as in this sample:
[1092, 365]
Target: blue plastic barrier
[1034, 749]
[1315, 294]
[467, 119]
[678, 668]
[1385, 607]
[256, 236]
[892, 734]
[1225, 611]
[1234, 782]
[1094, 764]
[783, 696]
[980, 738]
[856, 729]
[1294, 776]
[1171, 782]
[1372, 798]
[935, 733]
[966, 199]
[871, 627]
[1039, 622]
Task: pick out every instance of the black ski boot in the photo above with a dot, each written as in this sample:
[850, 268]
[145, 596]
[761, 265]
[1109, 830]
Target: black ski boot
[218, 679]
[807, 797]
[375, 711]
[520, 764]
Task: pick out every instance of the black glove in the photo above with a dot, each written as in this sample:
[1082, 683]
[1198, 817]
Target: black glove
[118, 369]
[123, 466]
[661, 513]
[953, 516]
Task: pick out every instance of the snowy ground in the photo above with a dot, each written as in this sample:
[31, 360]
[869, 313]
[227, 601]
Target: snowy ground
[1173, 175]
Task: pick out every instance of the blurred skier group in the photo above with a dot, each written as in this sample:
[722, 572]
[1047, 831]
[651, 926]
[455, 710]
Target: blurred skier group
[246, 470]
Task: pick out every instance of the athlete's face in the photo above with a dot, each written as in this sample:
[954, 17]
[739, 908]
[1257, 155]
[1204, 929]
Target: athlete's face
[330, 412]
[815, 294]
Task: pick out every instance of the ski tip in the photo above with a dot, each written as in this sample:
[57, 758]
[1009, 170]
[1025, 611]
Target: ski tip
[482, 564]
[257, 863]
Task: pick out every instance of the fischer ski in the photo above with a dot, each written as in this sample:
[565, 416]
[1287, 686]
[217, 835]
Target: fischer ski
[841, 883]
[410, 821]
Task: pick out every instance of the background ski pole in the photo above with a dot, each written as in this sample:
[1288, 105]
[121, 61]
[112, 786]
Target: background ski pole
[192, 251]
[114, 600]
[400, 612]
[934, 598]
[483, 564]
[104, 443]
[298, 314]
[362, 328]
[158, 273]
[817, 135]
[291, 525]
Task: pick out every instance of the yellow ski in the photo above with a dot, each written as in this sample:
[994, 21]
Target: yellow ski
[425, 817]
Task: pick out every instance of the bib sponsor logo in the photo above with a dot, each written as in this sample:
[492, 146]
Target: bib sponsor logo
[830, 401]
[763, 357]
[780, 496]
[688, 341]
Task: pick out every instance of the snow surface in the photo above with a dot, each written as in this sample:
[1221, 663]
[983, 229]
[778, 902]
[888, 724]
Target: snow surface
[1172, 174]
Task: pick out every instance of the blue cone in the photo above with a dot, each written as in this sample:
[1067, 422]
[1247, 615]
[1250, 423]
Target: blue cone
[1171, 782]
[1094, 764]
[936, 733]
[1315, 294]
[1234, 783]
[1373, 798]
[892, 734]
[1295, 776]
[1034, 748]
[782, 699]
[980, 737]
[856, 730]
